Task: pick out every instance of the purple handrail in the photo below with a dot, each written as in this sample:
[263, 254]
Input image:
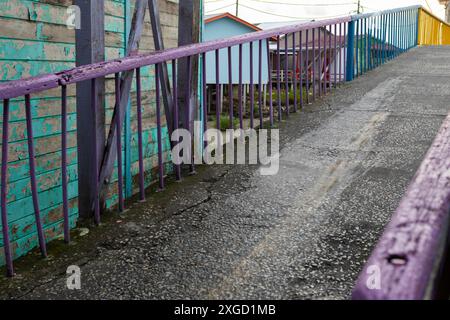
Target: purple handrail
[406, 254]
[302, 59]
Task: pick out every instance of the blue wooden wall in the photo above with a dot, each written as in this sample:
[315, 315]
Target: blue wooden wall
[225, 28]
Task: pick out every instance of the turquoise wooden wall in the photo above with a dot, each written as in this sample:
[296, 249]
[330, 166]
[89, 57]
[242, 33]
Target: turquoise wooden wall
[34, 40]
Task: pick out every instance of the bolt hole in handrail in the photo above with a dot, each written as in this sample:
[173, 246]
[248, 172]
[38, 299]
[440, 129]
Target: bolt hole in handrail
[307, 60]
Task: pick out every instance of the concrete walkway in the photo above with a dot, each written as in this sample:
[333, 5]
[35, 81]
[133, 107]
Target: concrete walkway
[305, 233]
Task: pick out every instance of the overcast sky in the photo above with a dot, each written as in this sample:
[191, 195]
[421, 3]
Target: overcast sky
[286, 10]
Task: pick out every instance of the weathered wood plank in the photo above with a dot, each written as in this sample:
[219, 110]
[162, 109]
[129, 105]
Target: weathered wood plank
[41, 12]
[30, 30]
[48, 199]
[26, 244]
[26, 226]
[46, 163]
[44, 145]
[42, 127]
[34, 51]
[21, 189]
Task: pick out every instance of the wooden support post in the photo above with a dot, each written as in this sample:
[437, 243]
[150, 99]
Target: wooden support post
[189, 19]
[163, 72]
[110, 155]
[90, 48]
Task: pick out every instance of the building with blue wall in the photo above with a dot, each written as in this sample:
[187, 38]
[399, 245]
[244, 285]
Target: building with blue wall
[226, 25]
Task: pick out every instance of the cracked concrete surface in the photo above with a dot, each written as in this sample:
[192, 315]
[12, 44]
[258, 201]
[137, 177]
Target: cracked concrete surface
[305, 233]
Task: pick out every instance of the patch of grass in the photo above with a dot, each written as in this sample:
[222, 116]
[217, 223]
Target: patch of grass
[225, 122]
[283, 95]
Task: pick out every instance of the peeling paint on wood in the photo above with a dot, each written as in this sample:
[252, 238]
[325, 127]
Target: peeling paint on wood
[34, 40]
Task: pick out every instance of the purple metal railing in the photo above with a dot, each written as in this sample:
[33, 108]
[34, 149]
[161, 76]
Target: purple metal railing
[411, 259]
[310, 65]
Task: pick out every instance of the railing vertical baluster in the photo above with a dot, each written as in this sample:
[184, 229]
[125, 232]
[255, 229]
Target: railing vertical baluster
[369, 42]
[139, 123]
[64, 163]
[307, 66]
[407, 35]
[388, 37]
[402, 39]
[230, 87]
[374, 43]
[188, 110]
[349, 68]
[385, 38]
[389, 31]
[340, 54]
[335, 56]
[260, 84]
[400, 30]
[319, 42]
[382, 38]
[416, 29]
[314, 64]
[204, 98]
[95, 146]
[329, 60]
[119, 142]
[325, 61]
[252, 89]
[379, 41]
[366, 41]
[218, 111]
[301, 69]
[4, 178]
[361, 47]
[396, 34]
[405, 30]
[270, 67]
[158, 128]
[358, 47]
[393, 51]
[294, 72]
[392, 32]
[370, 62]
[412, 28]
[279, 79]
[241, 117]
[32, 164]
[400, 33]
[405, 27]
[384, 26]
[286, 72]
[176, 109]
